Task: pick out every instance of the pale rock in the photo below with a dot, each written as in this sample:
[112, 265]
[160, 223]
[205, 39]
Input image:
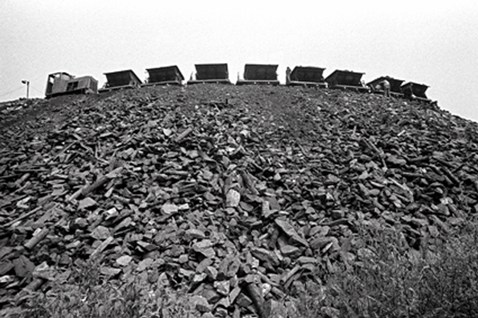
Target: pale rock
[233, 198]
[124, 260]
[169, 208]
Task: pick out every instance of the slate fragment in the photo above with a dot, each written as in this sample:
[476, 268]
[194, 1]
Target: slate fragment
[23, 266]
[289, 230]
[86, 203]
[124, 260]
[233, 198]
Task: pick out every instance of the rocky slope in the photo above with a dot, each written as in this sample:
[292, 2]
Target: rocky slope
[237, 193]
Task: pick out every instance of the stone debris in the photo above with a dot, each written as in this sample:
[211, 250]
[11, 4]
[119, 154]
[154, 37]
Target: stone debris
[241, 203]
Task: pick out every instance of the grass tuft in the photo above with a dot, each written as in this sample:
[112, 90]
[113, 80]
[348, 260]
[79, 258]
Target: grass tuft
[392, 281]
[90, 294]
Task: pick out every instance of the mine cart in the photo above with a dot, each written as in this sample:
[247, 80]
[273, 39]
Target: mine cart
[415, 91]
[395, 86]
[120, 80]
[346, 80]
[210, 73]
[62, 83]
[166, 75]
[307, 76]
[259, 74]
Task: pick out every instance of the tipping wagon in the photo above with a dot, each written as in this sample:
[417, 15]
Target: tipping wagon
[120, 80]
[257, 74]
[395, 86]
[166, 75]
[346, 80]
[307, 76]
[210, 73]
[415, 91]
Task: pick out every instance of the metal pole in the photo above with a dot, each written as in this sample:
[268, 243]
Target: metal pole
[28, 86]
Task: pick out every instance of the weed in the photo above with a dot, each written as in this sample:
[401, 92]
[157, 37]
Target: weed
[392, 281]
[89, 294]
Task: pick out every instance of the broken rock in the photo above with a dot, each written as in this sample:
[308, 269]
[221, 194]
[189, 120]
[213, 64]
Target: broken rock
[233, 198]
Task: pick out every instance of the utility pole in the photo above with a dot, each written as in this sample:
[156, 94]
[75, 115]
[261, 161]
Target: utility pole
[28, 86]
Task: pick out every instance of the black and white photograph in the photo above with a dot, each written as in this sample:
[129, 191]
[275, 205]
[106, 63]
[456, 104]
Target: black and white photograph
[229, 159]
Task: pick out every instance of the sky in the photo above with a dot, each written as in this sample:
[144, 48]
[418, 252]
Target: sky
[430, 42]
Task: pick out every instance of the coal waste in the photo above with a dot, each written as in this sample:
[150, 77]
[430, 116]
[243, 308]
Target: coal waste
[239, 193]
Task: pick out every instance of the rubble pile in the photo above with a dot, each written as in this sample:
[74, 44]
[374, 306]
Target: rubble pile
[16, 105]
[239, 193]
[24, 110]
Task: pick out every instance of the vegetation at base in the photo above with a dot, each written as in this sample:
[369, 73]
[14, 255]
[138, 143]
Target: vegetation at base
[386, 281]
[439, 281]
[88, 295]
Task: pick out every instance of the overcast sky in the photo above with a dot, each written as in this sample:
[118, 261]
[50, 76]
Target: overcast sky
[430, 42]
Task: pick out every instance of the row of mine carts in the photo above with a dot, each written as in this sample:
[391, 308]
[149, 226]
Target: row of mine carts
[62, 83]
